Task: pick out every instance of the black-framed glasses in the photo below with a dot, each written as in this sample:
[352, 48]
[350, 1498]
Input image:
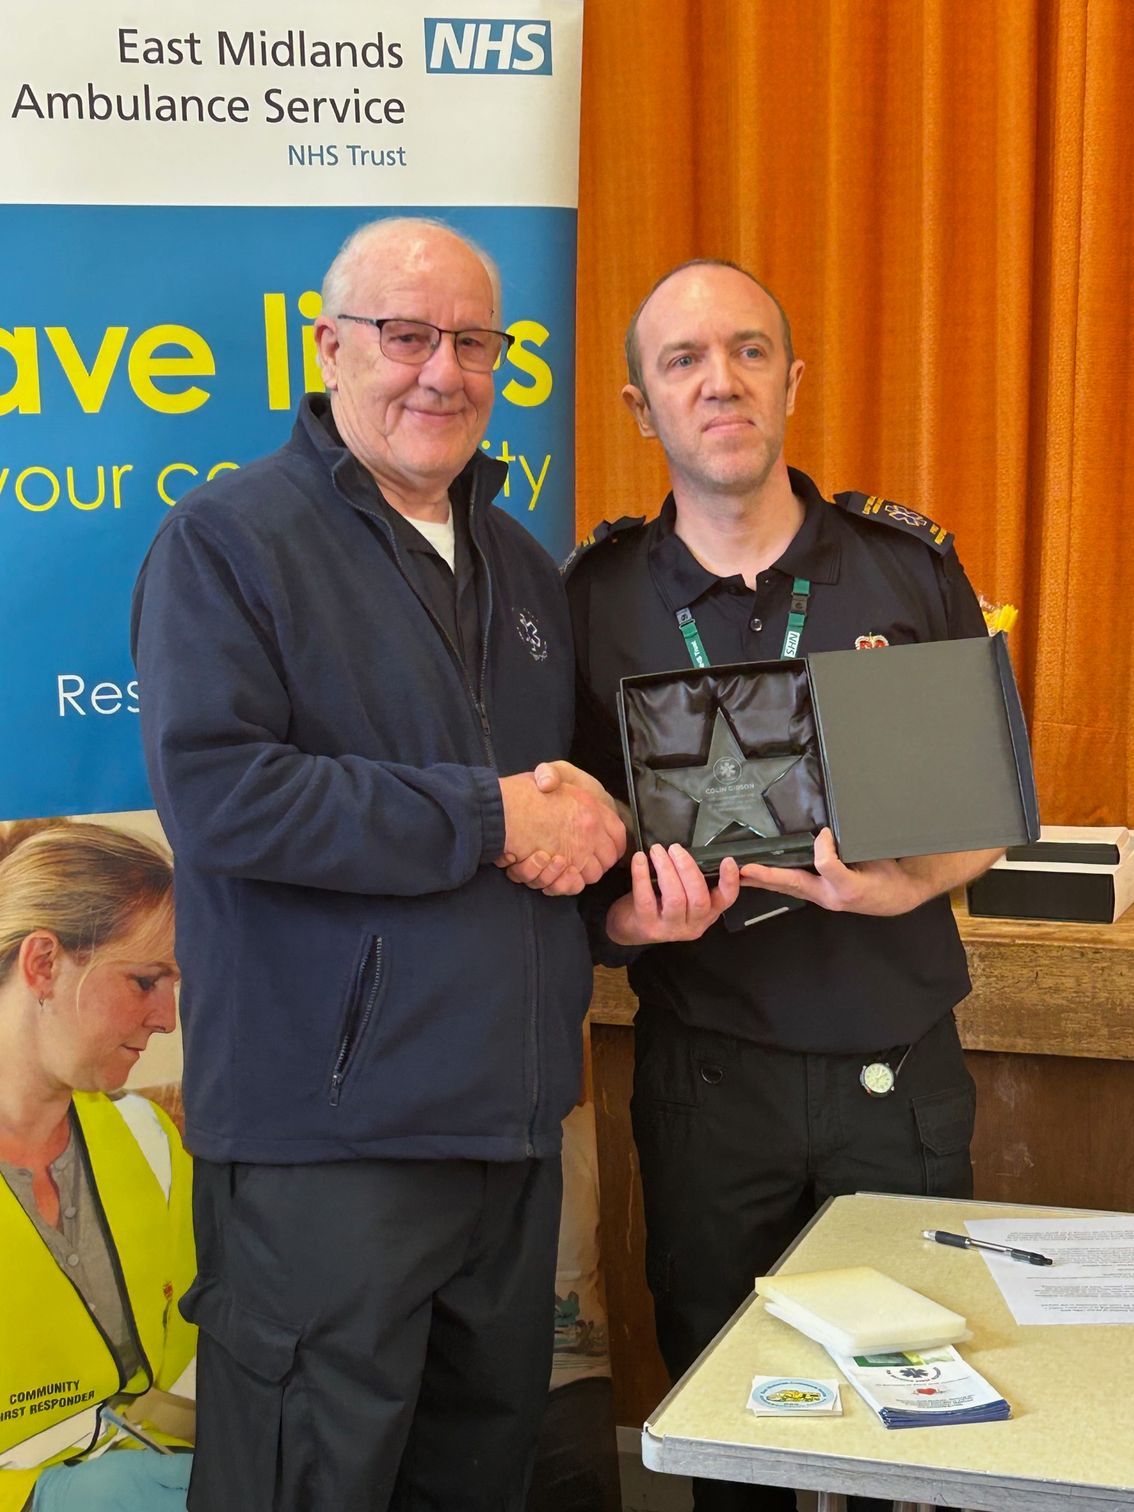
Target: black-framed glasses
[415, 341]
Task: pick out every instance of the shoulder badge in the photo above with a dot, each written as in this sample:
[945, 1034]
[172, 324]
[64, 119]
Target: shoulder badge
[606, 530]
[898, 517]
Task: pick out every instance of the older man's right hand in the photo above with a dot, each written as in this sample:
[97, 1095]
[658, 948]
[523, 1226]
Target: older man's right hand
[564, 832]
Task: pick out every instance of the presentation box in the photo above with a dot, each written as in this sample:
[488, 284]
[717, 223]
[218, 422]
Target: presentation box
[905, 751]
[1076, 874]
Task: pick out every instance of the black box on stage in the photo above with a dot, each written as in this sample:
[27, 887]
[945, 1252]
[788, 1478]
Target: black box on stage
[903, 751]
[1080, 874]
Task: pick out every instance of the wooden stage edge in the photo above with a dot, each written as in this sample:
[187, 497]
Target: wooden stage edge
[1049, 1037]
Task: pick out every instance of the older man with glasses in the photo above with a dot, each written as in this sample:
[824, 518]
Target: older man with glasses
[344, 708]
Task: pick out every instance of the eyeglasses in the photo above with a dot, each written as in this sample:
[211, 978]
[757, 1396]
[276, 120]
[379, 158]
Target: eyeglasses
[415, 341]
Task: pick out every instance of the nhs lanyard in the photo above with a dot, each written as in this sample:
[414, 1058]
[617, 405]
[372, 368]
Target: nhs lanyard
[797, 618]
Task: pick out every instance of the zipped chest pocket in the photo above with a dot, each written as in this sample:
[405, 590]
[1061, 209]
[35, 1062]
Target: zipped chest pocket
[361, 1008]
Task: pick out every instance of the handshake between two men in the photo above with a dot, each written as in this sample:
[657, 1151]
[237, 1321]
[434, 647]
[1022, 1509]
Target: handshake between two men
[563, 831]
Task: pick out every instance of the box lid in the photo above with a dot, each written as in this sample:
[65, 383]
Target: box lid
[1074, 845]
[924, 749]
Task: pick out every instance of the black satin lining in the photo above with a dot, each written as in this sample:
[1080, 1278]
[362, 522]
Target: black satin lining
[669, 723]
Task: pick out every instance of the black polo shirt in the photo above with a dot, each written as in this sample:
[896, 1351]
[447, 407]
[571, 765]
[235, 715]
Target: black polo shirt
[450, 592]
[808, 979]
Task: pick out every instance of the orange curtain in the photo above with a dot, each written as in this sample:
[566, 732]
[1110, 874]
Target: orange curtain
[942, 194]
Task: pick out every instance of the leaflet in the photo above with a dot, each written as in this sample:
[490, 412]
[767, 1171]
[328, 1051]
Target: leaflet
[925, 1389]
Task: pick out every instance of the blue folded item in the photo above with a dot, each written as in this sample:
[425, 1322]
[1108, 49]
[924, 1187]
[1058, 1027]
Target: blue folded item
[923, 1389]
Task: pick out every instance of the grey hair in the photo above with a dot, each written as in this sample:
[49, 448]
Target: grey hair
[634, 356]
[337, 279]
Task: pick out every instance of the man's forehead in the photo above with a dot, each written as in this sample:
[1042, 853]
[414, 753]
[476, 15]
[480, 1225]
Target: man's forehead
[424, 264]
[706, 296]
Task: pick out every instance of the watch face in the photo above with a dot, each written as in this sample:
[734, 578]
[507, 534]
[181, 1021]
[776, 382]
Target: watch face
[877, 1078]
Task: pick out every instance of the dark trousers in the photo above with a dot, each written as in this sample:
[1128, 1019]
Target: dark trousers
[576, 1463]
[739, 1145]
[374, 1334]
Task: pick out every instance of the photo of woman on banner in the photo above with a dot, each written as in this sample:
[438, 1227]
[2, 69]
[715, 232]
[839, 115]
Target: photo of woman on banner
[95, 1226]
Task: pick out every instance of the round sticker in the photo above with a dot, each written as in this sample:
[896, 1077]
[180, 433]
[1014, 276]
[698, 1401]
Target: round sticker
[794, 1391]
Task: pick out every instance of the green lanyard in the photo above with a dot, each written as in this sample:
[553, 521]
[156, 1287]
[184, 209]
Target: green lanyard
[797, 618]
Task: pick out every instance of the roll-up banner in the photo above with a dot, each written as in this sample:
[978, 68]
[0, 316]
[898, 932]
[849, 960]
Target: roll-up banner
[175, 179]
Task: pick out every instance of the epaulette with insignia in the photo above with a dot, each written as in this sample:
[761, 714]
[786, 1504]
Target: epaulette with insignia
[871, 507]
[604, 531]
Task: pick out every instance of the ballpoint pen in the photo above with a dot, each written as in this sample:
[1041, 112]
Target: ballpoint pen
[962, 1241]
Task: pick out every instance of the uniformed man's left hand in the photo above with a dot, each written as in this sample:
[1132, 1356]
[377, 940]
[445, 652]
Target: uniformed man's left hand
[686, 906]
[868, 887]
[883, 888]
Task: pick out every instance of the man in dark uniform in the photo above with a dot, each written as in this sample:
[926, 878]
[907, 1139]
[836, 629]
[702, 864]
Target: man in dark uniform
[750, 1106]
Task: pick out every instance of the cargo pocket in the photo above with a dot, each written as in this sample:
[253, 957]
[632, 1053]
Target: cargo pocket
[945, 1127]
[665, 1063]
[244, 1361]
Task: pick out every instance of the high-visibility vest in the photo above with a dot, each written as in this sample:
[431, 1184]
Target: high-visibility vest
[56, 1368]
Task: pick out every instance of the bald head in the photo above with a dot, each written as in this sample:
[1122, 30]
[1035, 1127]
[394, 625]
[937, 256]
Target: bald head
[715, 383]
[633, 348]
[412, 420]
[404, 241]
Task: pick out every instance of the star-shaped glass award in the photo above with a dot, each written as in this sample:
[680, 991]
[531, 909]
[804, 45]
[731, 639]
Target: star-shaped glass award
[730, 787]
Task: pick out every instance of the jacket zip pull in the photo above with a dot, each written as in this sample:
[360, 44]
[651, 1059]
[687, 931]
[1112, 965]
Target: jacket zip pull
[484, 725]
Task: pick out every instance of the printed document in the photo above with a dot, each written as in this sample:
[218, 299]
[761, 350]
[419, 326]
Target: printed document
[1091, 1281]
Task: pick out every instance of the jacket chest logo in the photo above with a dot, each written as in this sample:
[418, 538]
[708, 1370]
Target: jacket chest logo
[870, 642]
[527, 628]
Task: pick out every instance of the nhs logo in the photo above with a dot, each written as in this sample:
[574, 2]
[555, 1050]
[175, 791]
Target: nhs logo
[461, 45]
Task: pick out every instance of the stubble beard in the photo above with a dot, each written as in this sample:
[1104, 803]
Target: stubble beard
[730, 477]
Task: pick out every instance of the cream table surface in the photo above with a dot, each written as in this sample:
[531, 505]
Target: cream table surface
[1069, 1443]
